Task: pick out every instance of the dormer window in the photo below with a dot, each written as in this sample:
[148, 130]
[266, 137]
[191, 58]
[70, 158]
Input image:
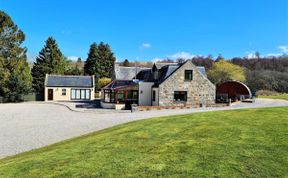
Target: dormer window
[188, 75]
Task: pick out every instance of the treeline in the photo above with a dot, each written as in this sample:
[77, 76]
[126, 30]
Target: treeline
[16, 78]
[261, 73]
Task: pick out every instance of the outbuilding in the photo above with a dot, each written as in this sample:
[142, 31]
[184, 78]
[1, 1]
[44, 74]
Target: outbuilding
[69, 88]
[233, 90]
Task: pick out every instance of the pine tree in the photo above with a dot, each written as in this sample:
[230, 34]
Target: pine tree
[15, 72]
[89, 66]
[107, 60]
[49, 61]
[100, 62]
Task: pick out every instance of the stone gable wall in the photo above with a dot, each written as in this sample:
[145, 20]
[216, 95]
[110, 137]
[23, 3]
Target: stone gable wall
[199, 91]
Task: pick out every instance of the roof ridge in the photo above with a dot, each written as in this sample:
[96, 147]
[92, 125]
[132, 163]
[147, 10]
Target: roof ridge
[133, 67]
[58, 75]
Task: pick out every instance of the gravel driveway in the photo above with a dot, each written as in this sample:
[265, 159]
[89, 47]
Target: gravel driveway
[28, 126]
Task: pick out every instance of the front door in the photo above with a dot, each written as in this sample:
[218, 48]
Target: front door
[50, 94]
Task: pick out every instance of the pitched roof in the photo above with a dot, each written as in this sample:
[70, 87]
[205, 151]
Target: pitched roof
[164, 72]
[126, 73]
[69, 81]
[202, 70]
[162, 64]
[118, 84]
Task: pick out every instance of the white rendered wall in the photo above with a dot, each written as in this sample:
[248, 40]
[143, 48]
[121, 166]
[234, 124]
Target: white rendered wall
[145, 93]
[156, 102]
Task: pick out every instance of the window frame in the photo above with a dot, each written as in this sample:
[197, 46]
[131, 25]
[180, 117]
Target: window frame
[63, 92]
[188, 76]
[185, 93]
[80, 94]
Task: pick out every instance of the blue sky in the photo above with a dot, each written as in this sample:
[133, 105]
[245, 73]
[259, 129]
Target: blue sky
[145, 30]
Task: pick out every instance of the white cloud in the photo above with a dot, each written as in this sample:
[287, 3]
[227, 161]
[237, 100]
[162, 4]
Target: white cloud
[284, 49]
[251, 55]
[157, 59]
[73, 58]
[145, 46]
[174, 57]
[181, 55]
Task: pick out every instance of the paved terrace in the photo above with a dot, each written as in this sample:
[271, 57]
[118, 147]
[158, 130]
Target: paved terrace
[28, 126]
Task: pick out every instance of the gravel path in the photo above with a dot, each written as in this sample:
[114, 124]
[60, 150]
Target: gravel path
[28, 126]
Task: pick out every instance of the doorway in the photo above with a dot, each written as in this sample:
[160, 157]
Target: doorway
[50, 94]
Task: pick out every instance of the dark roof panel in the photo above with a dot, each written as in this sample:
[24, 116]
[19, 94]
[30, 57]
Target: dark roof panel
[69, 81]
[164, 72]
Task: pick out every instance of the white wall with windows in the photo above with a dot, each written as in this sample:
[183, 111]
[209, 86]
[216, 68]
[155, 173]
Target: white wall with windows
[68, 94]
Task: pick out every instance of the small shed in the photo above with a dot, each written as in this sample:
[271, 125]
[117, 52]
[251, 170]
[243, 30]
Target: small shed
[234, 90]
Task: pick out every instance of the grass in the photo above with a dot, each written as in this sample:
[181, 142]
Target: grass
[283, 96]
[240, 143]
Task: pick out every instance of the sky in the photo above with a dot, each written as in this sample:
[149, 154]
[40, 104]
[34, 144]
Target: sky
[148, 30]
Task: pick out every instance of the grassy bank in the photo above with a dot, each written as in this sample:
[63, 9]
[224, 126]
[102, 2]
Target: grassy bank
[240, 143]
[283, 96]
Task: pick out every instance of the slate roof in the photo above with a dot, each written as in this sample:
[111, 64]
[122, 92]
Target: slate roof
[162, 64]
[164, 72]
[202, 70]
[126, 73]
[69, 81]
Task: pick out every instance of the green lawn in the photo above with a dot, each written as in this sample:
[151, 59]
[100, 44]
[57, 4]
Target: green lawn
[239, 143]
[280, 96]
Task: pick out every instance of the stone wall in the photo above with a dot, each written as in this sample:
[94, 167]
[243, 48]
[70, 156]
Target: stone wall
[199, 91]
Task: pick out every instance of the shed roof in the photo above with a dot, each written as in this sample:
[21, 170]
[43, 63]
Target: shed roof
[69, 81]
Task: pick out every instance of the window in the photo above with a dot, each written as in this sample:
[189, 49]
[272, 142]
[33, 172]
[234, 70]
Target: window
[188, 74]
[154, 95]
[63, 92]
[87, 94]
[107, 96]
[80, 94]
[73, 97]
[180, 95]
[120, 96]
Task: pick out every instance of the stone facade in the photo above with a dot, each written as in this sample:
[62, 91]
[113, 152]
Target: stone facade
[199, 90]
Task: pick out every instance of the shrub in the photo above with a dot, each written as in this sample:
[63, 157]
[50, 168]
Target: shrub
[102, 82]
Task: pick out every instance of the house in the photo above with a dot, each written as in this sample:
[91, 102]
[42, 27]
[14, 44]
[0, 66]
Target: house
[69, 88]
[162, 85]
